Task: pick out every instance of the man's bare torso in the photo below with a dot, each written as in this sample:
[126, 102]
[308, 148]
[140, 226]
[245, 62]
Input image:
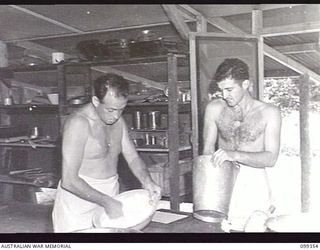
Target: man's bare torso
[237, 134]
[103, 146]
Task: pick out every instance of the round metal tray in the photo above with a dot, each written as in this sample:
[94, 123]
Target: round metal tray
[209, 216]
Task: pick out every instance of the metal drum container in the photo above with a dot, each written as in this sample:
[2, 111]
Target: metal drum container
[212, 189]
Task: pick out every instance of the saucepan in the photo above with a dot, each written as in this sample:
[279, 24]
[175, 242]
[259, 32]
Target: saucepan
[212, 189]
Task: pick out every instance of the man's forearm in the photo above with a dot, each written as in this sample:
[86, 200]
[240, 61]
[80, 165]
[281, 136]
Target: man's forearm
[255, 159]
[81, 189]
[139, 169]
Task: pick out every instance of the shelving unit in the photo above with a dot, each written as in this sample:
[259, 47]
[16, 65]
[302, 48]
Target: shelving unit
[166, 67]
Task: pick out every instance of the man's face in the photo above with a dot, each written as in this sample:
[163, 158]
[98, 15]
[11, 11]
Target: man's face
[111, 107]
[232, 92]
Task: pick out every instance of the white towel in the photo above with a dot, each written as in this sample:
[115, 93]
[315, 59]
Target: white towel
[71, 213]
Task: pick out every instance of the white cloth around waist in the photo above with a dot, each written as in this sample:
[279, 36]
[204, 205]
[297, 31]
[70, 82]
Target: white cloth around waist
[71, 213]
[251, 192]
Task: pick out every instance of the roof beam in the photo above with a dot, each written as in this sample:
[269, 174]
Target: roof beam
[276, 6]
[37, 15]
[218, 22]
[131, 77]
[94, 32]
[175, 17]
[291, 29]
[34, 46]
[290, 63]
[298, 48]
[272, 53]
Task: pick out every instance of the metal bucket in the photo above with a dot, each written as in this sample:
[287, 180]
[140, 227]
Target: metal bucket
[212, 189]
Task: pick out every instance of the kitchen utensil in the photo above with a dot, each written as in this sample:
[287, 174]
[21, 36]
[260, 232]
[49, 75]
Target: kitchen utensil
[212, 189]
[137, 209]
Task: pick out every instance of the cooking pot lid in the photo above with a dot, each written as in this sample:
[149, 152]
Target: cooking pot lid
[209, 216]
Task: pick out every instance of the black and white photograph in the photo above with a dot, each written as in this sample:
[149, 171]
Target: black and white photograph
[160, 118]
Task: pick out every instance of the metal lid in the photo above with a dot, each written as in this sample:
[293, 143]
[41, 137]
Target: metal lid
[209, 216]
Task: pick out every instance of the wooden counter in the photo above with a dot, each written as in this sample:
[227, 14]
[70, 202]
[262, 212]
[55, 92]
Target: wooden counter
[21, 217]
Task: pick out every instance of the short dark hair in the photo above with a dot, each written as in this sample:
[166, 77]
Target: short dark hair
[103, 83]
[232, 68]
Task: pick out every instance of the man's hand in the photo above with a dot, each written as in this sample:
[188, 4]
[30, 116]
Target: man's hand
[154, 190]
[113, 208]
[221, 156]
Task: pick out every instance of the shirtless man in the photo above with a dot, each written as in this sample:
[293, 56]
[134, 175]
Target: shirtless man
[93, 138]
[247, 132]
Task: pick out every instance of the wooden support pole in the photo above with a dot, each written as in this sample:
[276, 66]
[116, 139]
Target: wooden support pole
[173, 133]
[257, 26]
[305, 153]
[3, 55]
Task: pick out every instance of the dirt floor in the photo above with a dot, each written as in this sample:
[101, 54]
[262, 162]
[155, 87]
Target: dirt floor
[22, 217]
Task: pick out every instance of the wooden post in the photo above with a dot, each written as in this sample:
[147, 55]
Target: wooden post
[173, 132]
[3, 55]
[305, 154]
[257, 26]
[194, 96]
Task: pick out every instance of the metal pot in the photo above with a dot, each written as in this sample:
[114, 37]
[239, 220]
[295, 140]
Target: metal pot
[212, 189]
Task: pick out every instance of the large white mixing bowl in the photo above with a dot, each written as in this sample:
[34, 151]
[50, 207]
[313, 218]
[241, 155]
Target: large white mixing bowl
[138, 210]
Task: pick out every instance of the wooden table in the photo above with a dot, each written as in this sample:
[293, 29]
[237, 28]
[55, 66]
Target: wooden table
[21, 217]
[185, 225]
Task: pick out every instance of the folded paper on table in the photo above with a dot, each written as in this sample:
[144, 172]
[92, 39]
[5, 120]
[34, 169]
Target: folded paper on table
[164, 217]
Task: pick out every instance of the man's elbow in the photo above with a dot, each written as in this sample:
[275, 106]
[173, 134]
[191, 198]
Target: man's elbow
[67, 183]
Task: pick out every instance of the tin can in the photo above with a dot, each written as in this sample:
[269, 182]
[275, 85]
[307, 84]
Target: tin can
[7, 101]
[147, 139]
[34, 133]
[137, 120]
[154, 119]
[153, 140]
[144, 120]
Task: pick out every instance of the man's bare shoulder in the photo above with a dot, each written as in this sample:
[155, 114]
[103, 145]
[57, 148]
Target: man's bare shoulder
[269, 110]
[216, 105]
[76, 120]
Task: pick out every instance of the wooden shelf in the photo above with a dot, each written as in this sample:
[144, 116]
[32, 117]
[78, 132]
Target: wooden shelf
[183, 107]
[33, 106]
[19, 144]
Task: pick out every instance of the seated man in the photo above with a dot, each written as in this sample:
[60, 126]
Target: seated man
[93, 138]
[248, 134]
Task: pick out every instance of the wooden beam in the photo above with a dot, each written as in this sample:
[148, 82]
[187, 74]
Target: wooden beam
[277, 6]
[305, 150]
[194, 96]
[34, 46]
[50, 20]
[257, 25]
[290, 63]
[174, 16]
[131, 77]
[298, 48]
[291, 29]
[93, 32]
[274, 54]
